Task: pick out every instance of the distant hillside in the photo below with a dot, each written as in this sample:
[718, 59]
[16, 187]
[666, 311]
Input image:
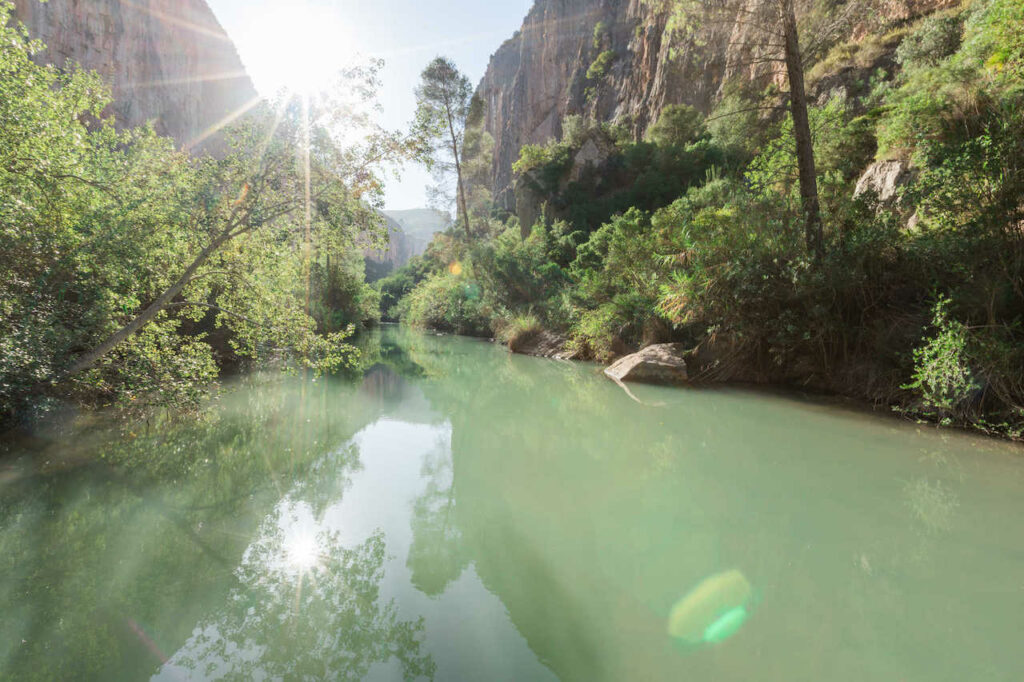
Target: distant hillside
[420, 225]
[409, 233]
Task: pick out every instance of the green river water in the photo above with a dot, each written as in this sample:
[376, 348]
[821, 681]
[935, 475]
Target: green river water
[458, 513]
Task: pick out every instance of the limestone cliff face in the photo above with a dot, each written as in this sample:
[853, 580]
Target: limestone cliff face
[398, 250]
[540, 75]
[168, 61]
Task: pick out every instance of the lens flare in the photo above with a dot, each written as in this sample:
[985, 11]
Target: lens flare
[713, 611]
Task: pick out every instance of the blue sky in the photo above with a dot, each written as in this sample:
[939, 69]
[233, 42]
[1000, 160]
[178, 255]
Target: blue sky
[405, 33]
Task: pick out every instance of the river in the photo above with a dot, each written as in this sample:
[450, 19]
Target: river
[459, 513]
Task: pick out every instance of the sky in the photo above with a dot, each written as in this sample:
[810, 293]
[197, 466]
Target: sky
[275, 37]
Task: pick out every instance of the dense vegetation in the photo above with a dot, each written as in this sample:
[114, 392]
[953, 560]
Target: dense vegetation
[133, 272]
[695, 234]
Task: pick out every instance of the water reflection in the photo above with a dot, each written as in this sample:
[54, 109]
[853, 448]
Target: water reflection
[460, 513]
[306, 607]
[588, 514]
[437, 556]
[116, 537]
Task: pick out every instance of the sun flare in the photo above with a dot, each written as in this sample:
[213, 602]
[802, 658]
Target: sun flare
[296, 46]
[302, 552]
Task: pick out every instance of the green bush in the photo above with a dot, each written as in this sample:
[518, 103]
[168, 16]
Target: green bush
[735, 126]
[943, 375]
[448, 303]
[552, 160]
[643, 175]
[600, 65]
[677, 126]
[994, 36]
[936, 38]
[617, 276]
[515, 272]
[517, 329]
[399, 283]
[340, 297]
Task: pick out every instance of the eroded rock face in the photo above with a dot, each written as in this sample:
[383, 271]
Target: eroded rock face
[168, 61]
[539, 76]
[659, 364]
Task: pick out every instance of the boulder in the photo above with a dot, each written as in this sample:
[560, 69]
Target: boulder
[590, 155]
[542, 344]
[885, 179]
[659, 364]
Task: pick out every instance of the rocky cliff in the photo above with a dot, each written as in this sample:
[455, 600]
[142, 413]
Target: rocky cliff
[540, 75]
[409, 234]
[419, 225]
[614, 60]
[396, 252]
[168, 61]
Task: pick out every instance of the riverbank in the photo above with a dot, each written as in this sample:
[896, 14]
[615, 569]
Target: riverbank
[707, 366]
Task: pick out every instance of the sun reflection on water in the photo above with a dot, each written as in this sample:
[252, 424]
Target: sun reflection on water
[302, 552]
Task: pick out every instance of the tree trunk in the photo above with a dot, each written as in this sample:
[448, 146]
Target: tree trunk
[802, 133]
[458, 174]
[147, 315]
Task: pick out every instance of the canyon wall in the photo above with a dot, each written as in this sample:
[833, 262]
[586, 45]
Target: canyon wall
[540, 75]
[167, 61]
[399, 249]
[409, 234]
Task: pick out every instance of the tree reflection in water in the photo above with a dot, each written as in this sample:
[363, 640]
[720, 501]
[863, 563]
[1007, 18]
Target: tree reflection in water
[437, 556]
[306, 608]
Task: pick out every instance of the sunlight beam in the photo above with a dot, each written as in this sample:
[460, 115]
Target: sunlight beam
[223, 123]
[208, 78]
[217, 32]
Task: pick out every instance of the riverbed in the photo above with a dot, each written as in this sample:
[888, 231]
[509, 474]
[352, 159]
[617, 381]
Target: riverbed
[459, 513]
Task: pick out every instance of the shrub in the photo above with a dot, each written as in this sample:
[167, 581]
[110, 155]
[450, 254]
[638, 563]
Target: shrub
[553, 158]
[517, 330]
[677, 126]
[936, 38]
[617, 276]
[943, 375]
[450, 303]
[734, 125]
[515, 272]
[600, 33]
[398, 284]
[340, 296]
[600, 66]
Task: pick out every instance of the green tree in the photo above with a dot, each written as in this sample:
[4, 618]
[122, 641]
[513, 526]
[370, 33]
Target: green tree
[123, 256]
[677, 125]
[295, 187]
[770, 33]
[443, 102]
